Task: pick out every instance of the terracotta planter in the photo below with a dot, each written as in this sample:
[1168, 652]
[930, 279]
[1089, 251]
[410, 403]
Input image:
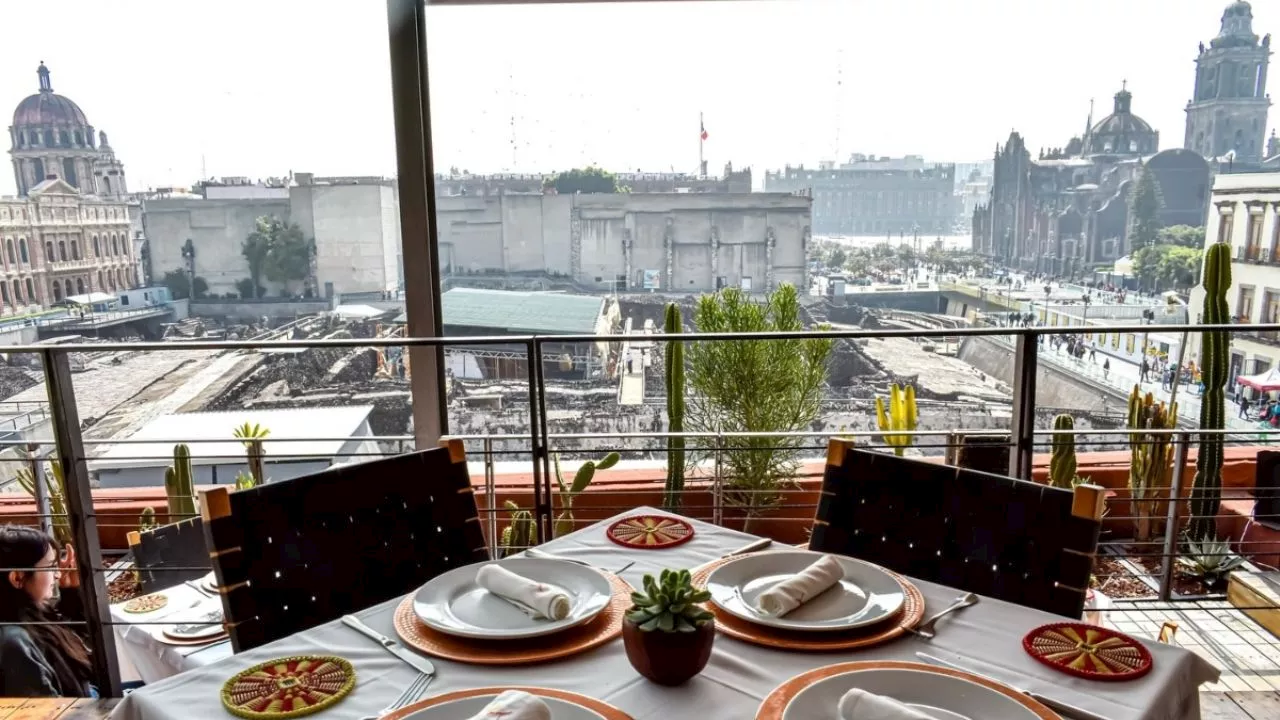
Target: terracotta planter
[668, 658]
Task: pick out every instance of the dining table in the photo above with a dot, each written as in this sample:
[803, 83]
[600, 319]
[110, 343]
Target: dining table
[985, 638]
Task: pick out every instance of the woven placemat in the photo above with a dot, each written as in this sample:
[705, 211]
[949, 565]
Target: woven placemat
[650, 532]
[910, 614]
[1088, 651]
[604, 710]
[599, 630]
[288, 687]
[775, 703]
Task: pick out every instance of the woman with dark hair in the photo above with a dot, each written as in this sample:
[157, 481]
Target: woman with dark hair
[40, 658]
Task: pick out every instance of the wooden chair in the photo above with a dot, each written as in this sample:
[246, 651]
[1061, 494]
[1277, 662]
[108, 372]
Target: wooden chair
[1010, 539]
[291, 555]
[170, 554]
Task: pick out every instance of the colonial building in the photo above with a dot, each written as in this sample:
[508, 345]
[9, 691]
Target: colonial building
[874, 196]
[1227, 113]
[1067, 210]
[58, 239]
[457, 183]
[50, 135]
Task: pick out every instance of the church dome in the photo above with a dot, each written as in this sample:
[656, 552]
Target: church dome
[1121, 132]
[1237, 27]
[48, 108]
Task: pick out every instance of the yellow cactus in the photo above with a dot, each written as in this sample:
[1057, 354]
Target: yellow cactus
[901, 415]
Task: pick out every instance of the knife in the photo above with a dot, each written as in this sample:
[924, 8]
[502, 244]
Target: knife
[1064, 709]
[752, 546]
[415, 661]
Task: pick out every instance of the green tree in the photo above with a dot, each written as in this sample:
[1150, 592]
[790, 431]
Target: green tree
[1144, 205]
[255, 249]
[745, 386]
[245, 287]
[583, 180]
[179, 285]
[277, 251]
[1182, 235]
[1167, 266]
[837, 257]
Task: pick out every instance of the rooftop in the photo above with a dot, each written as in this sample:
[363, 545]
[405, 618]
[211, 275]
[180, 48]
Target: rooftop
[522, 312]
[209, 433]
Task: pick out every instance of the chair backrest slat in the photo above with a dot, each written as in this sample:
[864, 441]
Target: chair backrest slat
[170, 554]
[1015, 540]
[293, 554]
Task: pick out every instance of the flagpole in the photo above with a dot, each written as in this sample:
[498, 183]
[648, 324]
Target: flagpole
[701, 140]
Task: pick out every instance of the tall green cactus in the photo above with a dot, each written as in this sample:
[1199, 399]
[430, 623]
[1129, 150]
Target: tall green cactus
[179, 485]
[1062, 464]
[1206, 494]
[1150, 456]
[674, 377]
[569, 491]
[522, 533]
[901, 415]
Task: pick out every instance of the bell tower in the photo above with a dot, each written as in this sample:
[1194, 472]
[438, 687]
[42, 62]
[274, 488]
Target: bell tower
[1228, 109]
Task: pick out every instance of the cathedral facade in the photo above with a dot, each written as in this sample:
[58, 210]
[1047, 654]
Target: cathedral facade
[68, 231]
[1066, 211]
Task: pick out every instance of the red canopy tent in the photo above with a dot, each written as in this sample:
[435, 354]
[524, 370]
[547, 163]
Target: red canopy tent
[1264, 381]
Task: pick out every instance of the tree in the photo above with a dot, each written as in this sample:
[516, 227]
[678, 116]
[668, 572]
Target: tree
[1144, 205]
[180, 286]
[1182, 235]
[583, 180]
[1170, 266]
[277, 251]
[837, 257]
[245, 287]
[745, 386]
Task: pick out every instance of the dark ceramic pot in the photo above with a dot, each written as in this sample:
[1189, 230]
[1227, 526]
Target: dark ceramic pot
[668, 658]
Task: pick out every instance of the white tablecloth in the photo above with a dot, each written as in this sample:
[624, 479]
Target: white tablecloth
[739, 675]
[140, 644]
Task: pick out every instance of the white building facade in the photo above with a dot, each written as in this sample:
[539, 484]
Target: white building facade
[1244, 214]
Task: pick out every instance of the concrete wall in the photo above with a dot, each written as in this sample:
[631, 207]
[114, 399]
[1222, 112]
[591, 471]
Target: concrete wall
[217, 229]
[357, 239]
[585, 237]
[255, 310]
[1053, 389]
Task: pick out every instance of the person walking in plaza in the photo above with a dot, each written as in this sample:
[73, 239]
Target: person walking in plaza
[1244, 406]
[1144, 370]
[1106, 369]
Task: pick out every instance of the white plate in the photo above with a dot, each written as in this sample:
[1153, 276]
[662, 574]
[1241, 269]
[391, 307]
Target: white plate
[196, 626]
[939, 696]
[867, 595]
[454, 604]
[466, 707]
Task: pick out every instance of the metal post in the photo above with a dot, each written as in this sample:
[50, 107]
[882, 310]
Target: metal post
[491, 497]
[1167, 563]
[541, 451]
[1023, 421]
[81, 516]
[42, 490]
[415, 181]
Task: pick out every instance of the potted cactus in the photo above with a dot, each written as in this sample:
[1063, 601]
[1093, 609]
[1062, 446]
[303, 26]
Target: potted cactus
[667, 632]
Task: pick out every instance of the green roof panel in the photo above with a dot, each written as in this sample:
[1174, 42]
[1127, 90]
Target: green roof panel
[522, 312]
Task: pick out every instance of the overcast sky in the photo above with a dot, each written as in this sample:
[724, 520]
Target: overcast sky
[263, 87]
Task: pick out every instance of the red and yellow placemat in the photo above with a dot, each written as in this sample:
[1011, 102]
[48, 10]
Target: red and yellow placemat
[650, 532]
[603, 709]
[776, 702]
[1088, 651]
[288, 687]
[910, 614]
[599, 630]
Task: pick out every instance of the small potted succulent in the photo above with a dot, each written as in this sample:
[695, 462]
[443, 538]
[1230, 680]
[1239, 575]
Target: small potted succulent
[667, 632]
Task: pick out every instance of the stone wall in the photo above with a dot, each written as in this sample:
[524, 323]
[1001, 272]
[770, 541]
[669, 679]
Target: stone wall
[248, 311]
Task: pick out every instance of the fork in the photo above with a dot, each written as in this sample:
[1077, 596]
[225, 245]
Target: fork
[926, 628]
[410, 694]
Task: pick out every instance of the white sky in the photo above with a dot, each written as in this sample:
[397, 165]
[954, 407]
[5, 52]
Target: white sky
[262, 87]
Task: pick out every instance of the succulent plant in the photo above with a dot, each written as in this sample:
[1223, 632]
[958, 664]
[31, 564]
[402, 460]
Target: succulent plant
[1062, 464]
[56, 489]
[1210, 559]
[669, 604]
[673, 378]
[900, 415]
[1206, 493]
[251, 436]
[521, 534]
[147, 520]
[179, 486]
[569, 491]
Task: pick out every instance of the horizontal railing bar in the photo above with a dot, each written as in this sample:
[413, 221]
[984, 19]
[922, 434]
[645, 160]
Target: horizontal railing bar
[656, 337]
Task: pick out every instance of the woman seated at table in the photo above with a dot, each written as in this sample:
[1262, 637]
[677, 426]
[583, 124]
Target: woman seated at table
[39, 659]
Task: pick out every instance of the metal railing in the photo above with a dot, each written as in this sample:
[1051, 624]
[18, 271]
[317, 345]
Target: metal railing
[539, 444]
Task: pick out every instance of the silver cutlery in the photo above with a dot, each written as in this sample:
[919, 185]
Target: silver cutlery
[414, 660]
[754, 545]
[1067, 710]
[926, 628]
[410, 695]
[535, 553]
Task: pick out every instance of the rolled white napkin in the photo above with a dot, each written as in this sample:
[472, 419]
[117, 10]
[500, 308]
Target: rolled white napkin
[862, 705]
[546, 601]
[801, 587]
[515, 705]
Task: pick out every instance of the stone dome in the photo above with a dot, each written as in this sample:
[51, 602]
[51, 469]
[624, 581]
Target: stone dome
[1122, 132]
[47, 107]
